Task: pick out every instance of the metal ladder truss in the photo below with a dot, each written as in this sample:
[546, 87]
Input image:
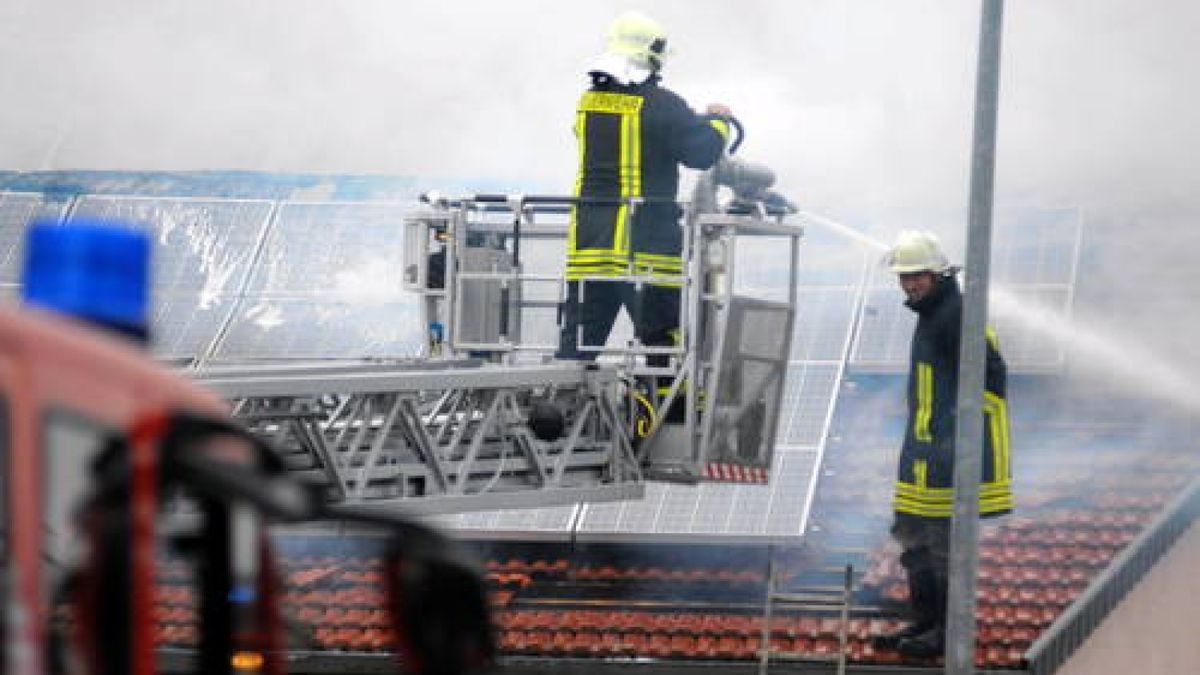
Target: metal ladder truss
[441, 437]
[728, 370]
[815, 599]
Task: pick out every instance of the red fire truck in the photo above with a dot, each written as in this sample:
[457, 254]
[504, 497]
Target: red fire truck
[95, 440]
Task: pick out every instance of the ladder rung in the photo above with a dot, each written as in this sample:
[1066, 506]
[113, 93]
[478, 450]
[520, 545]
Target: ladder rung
[810, 598]
[804, 656]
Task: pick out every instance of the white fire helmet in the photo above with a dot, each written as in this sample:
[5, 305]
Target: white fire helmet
[917, 251]
[638, 38]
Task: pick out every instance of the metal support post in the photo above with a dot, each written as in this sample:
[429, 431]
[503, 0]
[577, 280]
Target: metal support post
[964, 551]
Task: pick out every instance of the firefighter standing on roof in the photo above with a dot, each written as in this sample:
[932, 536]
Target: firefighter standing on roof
[633, 134]
[924, 501]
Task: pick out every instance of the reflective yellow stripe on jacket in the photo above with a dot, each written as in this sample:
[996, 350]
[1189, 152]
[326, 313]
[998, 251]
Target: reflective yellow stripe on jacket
[613, 260]
[924, 403]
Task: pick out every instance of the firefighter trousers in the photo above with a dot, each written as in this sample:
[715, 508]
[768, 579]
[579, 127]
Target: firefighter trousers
[587, 316]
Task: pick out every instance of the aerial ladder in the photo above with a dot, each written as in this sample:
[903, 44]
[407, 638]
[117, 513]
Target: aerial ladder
[488, 419]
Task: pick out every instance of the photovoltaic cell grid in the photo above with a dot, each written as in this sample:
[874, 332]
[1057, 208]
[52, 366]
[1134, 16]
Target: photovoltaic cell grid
[553, 523]
[350, 251]
[203, 245]
[1033, 262]
[886, 327]
[200, 255]
[1039, 247]
[728, 512]
[328, 284]
[822, 322]
[1029, 245]
[17, 210]
[830, 271]
[267, 327]
[183, 324]
[721, 512]
[205, 263]
[806, 400]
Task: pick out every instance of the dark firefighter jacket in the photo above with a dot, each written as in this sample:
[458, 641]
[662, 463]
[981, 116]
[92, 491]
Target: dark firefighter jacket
[924, 480]
[631, 140]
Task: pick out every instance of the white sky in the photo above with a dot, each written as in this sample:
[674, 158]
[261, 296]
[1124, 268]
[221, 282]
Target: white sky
[863, 107]
[858, 105]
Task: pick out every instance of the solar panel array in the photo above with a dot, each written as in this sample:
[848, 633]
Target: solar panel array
[327, 284]
[723, 512]
[1035, 253]
[202, 254]
[258, 279]
[237, 279]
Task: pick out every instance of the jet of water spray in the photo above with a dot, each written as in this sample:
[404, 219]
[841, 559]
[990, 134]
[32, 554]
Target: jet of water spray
[1134, 367]
[844, 230]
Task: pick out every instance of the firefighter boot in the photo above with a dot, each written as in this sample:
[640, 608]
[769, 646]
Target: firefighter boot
[891, 641]
[922, 623]
[930, 643]
[930, 605]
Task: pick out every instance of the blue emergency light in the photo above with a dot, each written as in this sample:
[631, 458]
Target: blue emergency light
[91, 269]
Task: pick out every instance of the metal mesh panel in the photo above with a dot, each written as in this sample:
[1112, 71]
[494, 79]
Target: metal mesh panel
[752, 367]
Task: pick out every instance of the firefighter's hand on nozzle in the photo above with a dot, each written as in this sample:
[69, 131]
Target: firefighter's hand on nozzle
[719, 109]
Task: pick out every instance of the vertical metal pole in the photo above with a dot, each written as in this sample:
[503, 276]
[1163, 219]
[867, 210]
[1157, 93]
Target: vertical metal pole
[968, 442]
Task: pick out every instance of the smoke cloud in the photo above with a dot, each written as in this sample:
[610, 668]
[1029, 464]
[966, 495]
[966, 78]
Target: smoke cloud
[864, 108]
[861, 106]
